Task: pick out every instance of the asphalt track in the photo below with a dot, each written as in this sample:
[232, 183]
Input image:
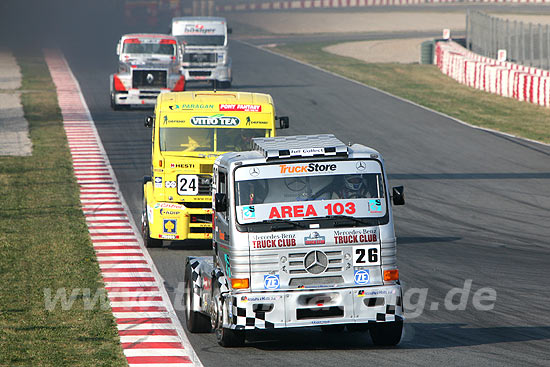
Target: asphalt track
[477, 209]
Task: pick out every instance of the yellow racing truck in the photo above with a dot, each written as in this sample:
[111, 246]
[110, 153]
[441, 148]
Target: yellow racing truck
[189, 130]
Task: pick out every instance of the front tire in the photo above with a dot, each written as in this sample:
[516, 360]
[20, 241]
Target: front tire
[387, 333]
[227, 338]
[115, 106]
[195, 321]
[145, 230]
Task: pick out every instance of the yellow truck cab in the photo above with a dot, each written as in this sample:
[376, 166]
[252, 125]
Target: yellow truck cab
[189, 130]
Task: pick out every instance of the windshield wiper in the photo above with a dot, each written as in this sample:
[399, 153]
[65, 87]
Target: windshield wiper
[282, 221]
[345, 217]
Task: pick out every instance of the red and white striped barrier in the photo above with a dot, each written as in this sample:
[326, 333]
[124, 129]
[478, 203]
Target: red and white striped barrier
[150, 332]
[309, 4]
[507, 79]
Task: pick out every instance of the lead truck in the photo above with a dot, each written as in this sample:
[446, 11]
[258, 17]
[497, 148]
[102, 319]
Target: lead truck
[205, 49]
[303, 236]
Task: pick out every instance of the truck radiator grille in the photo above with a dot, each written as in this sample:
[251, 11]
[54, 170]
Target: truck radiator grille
[200, 229]
[149, 78]
[205, 185]
[199, 73]
[198, 204]
[307, 282]
[319, 313]
[199, 57]
[296, 264]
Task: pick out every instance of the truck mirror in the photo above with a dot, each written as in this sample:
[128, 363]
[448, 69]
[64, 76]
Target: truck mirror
[398, 195]
[220, 201]
[118, 49]
[149, 121]
[284, 122]
[229, 30]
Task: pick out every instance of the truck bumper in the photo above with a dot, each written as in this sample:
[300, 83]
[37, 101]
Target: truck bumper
[138, 97]
[220, 73]
[261, 310]
[170, 221]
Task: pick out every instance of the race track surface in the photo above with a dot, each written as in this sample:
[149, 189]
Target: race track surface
[477, 211]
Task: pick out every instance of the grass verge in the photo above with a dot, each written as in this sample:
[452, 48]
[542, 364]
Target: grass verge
[427, 86]
[44, 244]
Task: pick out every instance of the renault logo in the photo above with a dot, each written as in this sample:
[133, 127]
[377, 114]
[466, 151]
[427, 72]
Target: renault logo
[150, 78]
[316, 262]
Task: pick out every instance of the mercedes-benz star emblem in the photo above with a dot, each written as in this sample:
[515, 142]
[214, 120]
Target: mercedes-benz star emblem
[254, 171]
[361, 166]
[150, 78]
[316, 262]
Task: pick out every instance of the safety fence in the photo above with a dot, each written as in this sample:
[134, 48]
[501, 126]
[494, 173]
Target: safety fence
[507, 79]
[252, 5]
[525, 43]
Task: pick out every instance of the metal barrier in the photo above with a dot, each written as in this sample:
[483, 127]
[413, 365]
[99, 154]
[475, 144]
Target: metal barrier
[525, 43]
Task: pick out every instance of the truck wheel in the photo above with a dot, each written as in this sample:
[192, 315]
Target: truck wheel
[114, 105]
[149, 242]
[195, 321]
[229, 338]
[387, 333]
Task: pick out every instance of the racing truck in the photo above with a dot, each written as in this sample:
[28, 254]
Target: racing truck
[303, 236]
[149, 64]
[205, 49]
[189, 130]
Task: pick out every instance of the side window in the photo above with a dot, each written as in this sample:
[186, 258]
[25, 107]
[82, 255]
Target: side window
[222, 189]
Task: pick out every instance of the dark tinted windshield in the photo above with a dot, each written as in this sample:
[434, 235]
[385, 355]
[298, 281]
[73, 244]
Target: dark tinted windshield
[148, 48]
[202, 40]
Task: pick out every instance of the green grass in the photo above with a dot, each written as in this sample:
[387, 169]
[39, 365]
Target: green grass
[44, 243]
[427, 86]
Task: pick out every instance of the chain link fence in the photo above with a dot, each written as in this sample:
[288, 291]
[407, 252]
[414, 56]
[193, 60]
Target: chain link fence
[525, 43]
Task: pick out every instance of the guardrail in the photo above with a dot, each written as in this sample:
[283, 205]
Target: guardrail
[525, 43]
[503, 78]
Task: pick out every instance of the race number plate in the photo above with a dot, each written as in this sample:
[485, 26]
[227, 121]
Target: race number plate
[188, 185]
[366, 255]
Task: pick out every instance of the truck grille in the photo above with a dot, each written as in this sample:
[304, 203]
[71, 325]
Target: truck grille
[199, 73]
[205, 185]
[149, 78]
[199, 57]
[297, 262]
[308, 282]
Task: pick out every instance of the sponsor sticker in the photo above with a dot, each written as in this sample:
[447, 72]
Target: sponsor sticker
[375, 206]
[308, 168]
[271, 282]
[361, 276]
[314, 239]
[249, 212]
[169, 212]
[158, 182]
[307, 152]
[169, 206]
[191, 106]
[170, 184]
[215, 120]
[169, 226]
[182, 165]
[273, 241]
[241, 107]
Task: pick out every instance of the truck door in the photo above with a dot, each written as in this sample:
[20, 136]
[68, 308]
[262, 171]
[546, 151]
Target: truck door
[221, 235]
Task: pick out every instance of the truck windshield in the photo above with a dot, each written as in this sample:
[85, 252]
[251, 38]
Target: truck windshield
[187, 139]
[195, 40]
[341, 189]
[148, 48]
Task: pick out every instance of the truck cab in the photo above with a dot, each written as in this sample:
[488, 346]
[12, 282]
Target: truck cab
[189, 131]
[303, 236]
[148, 65]
[205, 49]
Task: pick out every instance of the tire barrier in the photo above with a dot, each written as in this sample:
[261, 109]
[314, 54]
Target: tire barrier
[504, 78]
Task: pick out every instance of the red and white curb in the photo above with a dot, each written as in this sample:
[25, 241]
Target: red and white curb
[150, 332]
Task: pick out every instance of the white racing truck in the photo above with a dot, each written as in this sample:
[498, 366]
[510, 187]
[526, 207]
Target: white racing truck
[303, 236]
[149, 64]
[205, 49]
